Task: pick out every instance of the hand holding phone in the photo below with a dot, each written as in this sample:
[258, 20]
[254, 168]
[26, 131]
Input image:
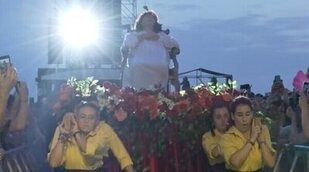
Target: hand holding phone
[4, 62]
[8, 80]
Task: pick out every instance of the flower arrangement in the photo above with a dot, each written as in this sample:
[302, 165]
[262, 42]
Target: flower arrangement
[154, 125]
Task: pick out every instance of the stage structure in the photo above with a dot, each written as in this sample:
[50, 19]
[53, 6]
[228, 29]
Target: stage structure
[72, 24]
[203, 76]
[128, 13]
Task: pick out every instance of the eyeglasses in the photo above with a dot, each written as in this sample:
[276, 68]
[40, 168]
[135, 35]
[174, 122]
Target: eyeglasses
[87, 117]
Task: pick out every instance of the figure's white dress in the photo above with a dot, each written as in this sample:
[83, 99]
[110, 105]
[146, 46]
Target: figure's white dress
[148, 61]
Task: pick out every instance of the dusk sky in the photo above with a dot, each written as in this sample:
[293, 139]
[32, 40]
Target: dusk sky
[252, 40]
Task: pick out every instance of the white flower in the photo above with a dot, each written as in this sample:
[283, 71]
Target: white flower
[161, 99]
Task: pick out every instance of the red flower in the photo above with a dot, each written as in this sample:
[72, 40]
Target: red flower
[129, 101]
[107, 84]
[113, 88]
[182, 105]
[171, 113]
[154, 113]
[196, 109]
[149, 103]
[227, 97]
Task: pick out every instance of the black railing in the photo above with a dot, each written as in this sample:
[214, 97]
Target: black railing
[297, 151]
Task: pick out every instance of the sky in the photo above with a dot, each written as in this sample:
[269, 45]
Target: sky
[252, 40]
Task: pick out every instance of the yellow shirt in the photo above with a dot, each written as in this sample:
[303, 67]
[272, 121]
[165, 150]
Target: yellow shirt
[99, 142]
[233, 140]
[209, 142]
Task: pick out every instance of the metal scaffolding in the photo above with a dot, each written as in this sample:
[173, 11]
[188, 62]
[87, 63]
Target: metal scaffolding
[128, 12]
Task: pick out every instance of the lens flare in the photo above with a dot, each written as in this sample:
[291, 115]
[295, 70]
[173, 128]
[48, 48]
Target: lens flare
[78, 28]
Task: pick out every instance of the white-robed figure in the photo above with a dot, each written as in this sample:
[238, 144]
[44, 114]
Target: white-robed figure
[147, 52]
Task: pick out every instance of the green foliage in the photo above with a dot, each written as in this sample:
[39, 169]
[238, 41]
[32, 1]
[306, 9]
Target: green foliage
[83, 88]
[265, 119]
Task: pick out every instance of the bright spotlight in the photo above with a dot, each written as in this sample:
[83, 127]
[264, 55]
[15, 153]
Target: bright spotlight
[78, 28]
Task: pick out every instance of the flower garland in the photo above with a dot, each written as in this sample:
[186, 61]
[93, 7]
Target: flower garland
[153, 124]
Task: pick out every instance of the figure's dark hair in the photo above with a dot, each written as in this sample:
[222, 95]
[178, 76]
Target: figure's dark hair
[88, 104]
[217, 105]
[138, 23]
[240, 100]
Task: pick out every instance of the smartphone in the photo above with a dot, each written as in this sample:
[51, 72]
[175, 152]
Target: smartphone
[4, 61]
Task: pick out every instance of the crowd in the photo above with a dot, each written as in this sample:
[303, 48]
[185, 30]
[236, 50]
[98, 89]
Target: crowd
[75, 137]
[70, 135]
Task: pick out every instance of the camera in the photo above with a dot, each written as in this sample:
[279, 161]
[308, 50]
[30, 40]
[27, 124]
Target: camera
[158, 28]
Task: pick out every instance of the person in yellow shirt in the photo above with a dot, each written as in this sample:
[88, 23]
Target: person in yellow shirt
[220, 117]
[246, 146]
[81, 143]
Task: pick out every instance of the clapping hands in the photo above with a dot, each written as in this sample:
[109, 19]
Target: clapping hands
[68, 124]
[256, 129]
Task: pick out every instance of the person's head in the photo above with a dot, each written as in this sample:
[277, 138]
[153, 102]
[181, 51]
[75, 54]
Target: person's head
[277, 86]
[242, 114]
[220, 116]
[146, 19]
[87, 117]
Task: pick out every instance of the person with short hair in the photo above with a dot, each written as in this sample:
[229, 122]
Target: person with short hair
[81, 141]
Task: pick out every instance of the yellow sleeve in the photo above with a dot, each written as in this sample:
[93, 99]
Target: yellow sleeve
[118, 149]
[53, 143]
[228, 147]
[209, 144]
[267, 138]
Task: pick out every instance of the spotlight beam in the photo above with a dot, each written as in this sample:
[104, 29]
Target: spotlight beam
[78, 28]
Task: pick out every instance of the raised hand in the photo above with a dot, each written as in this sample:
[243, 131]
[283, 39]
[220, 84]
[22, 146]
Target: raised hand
[66, 124]
[22, 90]
[303, 100]
[65, 128]
[74, 125]
[290, 112]
[255, 129]
[7, 81]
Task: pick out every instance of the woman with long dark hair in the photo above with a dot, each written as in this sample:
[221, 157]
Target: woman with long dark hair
[81, 140]
[220, 117]
[147, 51]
